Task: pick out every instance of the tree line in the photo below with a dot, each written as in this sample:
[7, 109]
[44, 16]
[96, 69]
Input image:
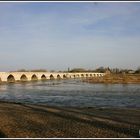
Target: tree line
[99, 69]
[105, 69]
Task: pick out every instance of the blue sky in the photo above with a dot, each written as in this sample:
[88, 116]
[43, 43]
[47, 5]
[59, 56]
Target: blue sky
[56, 36]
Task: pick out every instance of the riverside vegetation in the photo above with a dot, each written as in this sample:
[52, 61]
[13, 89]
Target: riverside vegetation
[116, 79]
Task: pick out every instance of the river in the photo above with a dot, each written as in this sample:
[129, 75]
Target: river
[74, 93]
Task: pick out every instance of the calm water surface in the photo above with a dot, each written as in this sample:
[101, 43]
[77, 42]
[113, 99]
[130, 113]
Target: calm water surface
[72, 93]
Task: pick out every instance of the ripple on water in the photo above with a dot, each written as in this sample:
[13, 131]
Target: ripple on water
[72, 93]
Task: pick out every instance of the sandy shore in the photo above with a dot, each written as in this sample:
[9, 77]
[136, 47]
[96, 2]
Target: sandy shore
[41, 121]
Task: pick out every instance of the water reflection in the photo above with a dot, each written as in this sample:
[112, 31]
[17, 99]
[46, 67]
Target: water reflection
[72, 93]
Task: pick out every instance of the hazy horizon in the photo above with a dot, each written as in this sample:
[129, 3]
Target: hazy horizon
[58, 36]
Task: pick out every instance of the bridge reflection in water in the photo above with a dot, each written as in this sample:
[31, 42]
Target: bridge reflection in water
[34, 76]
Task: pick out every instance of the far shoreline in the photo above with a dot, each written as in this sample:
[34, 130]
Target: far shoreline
[115, 79]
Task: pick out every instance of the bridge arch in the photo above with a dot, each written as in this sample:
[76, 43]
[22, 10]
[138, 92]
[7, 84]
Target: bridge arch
[51, 77]
[43, 77]
[58, 77]
[64, 76]
[0, 80]
[34, 77]
[82, 75]
[86, 75]
[23, 78]
[90, 75]
[10, 78]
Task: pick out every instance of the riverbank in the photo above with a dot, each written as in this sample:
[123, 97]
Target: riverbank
[42, 121]
[115, 79]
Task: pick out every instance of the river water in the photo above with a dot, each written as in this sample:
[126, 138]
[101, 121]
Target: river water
[74, 93]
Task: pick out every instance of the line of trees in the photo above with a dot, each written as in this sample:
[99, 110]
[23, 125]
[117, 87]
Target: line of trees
[34, 70]
[104, 69]
[99, 69]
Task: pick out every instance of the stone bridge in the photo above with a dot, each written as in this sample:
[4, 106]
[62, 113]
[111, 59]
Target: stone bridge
[34, 76]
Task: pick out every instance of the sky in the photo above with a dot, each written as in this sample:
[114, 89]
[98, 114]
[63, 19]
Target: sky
[62, 35]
